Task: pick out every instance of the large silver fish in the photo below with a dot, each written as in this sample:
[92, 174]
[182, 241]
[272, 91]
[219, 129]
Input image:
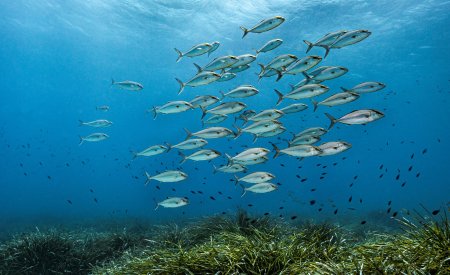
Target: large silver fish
[294, 108]
[152, 151]
[225, 108]
[260, 188]
[365, 87]
[272, 133]
[214, 46]
[259, 127]
[127, 85]
[99, 123]
[269, 114]
[211, 132]
[218, 63]
[356, 117]
[304, 140]
[173, 202]
[238, 69]
[326, 74]
[167, 176]
[256, 177]
[172, 107]
[325, 41]
[95, 137]
[189, 144]
[194, 51]
[301, 66]
[241, 91]
[270, 45]
[214, 119]
[248, 154]
[232, 168]
[350, 38]
[204, 101]
[306, 91]
[334, 147]
[244, 60]
[254, 161]
[313, 131]
[337, 99]
[200, 79]
[202, 155]
[278, 62]
[298, 151]
[226, 76]
[264, 25]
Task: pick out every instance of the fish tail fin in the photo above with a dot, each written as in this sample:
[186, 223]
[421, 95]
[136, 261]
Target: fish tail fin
[310, 45]
[236, 180]
[263, 69]
[255, 137]
[81, 122]
[203, 111]
[315, 104]
[188, 134]
[181, 85]
[169, 146]
[327, 51]
[332, 120]
[112, 81]
[279, 75]
[155, 113]
[308, 78]
[244, 191]
[180, 54]
[135, 155]
[229, 159]
[280, 96]
[292, 86]
[199, 69]
[81, 141]
[222, 94]
[244, 30]
[149, 178]
[344, 89]
[157, 206]
[277, 150]
[238, 131]
[215, 169]
[183, 157]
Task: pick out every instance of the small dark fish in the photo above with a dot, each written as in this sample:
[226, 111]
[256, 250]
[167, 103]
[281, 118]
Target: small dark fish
[360, 200]
[95, 199]
[351, 184]
[397, 177]
[388, 210]
[335, 211]
[25, 174]
[293, 217]
[322, 177]
[279, 183]
[313, 189]
[381, 176]
[220, 193]
[193, 192]
[318, 164]
[281, 207]
[403, 184]
[435, 212]
[320, 209]
[250, 205]
[410, 168]
[418, 175]
[389, 203]
[412, 156]
[334, 164]
[298, 176]
[223, 213]
[312, 202]
[355, 177]
[230, 198]
[49, 177]
[90, 190]
[200, 192]
[381, 166]
[196, 168]
[351, 208]
[266, 214]
[350, 199]
[173, 189]
[394, 214]
[281, 216]
[363, 222]
[157, 187]
[69, 201]
[67, 164]
[324, 166]
[303, 180]
[211, 197]
[424, 151]
[281, 164]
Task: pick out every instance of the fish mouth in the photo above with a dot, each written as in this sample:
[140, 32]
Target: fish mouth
[343, 69]
[280, 17]
[378, 113]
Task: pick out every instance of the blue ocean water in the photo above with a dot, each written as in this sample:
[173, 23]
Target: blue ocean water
[58, 58]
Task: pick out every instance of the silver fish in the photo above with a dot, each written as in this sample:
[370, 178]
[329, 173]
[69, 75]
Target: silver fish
[100, 123]
[298, 151]
[238, 69]
[127, 85]
[167, 176]
[278, 62]
[356, 117]
[301, 65]
[93, 138]
[241, 92]
[205, 154]
[350, 38]
[334, 147]
[218, 63]
[256, 177]
[266, 73]
[260, 188]
[214, 46]
[194, 51]
[272, 133]
[248, 154]
[232, 168]
[269, 114]
[264, 25]
[244, 60]
[313, 131]
[325, 41]
[337, 99]
[152, 151]
[327, 74]
[204, 101]
[294, 108]
[271, 45]
[366, 87]
[173, 202]
[306, 91]
[304, 140]
[245, 115]
[225, 108]
[200, 79]
[104, 108]
[189, 144]
[254, 161]
[226, 76]
[172, 107]
[260, 127]
[214, 119]
[211, 132]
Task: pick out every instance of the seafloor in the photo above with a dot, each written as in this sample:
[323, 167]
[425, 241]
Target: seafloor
[239, 244]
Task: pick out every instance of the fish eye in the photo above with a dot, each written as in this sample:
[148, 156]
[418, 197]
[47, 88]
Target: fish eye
[371, 86]
[178, 106]
[205, 77]
[218, 132]
[306, 63]
[332, 72]
[353, 36]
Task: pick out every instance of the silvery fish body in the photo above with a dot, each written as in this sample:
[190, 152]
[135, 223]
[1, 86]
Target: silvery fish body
[264, 25]
[304, 140]
[218, 63]
[350, 38]
[190, 144]
[215, 119]
[270, 45]
[99, 123]
[294, 108]
[241, 92]
[232, 168]
[337, 99]
[211, 132]
[279, 61]
[226, 76]
[299, 151]
[260, 188]
[313, 131]
[246, 115]
[199, 79]
[104, 108]
[256, 177]
[226, 108]
[306, 91]
[244, 60]
[214, 46]
[95, 137]
[194, 51]
[261, 127]
[172, 107]
[334, 147]
[357, 117]
[167, 176]
[202, 155]
[325, 41]
[204, 101]
[329, 73]
[173, 202]
[127, 85]
[254, 161]
[249, 154]
[304, 82]
[366, 87]
[272, 133]
[238, 69]
[152, 151]
[269, 114]
[303, 64]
